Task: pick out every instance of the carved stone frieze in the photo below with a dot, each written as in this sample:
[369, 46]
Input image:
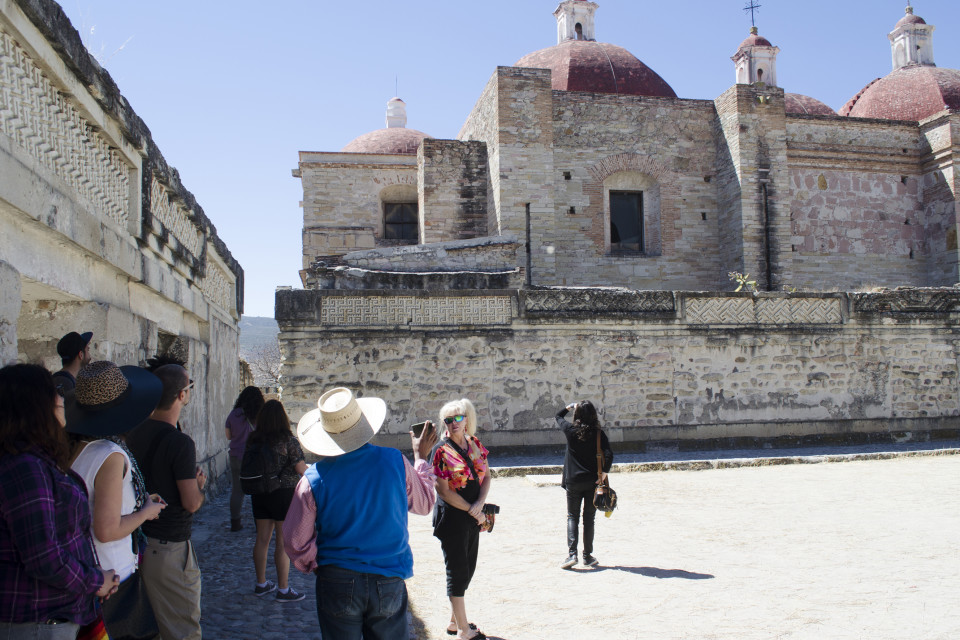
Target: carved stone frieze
[42, 121]
[908, 301]
[175, 219]
[595, 301]
[379, 311]
[771, 311]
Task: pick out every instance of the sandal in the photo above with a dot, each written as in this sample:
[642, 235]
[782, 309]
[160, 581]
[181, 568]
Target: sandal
[454, 632]
[479, 635]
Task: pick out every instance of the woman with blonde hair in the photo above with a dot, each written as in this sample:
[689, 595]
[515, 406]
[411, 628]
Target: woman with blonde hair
[463, 482]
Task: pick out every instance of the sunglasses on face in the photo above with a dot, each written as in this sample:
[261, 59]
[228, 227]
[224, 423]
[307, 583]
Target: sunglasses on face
[452, 419]
[189, 387]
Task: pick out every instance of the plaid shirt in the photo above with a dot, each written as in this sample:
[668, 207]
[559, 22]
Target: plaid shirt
[47, 568]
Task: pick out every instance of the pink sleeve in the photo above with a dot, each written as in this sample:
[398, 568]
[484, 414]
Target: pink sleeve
[420, 492]
[300, 528]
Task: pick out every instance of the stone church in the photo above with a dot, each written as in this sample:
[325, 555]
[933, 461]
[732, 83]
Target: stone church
[577, 240]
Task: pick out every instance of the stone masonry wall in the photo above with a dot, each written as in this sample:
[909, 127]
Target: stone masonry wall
[342, 206]
[481, 125]
[604, 142]
[942, 198]
[853, 229]
[661, 366]
[453, 182]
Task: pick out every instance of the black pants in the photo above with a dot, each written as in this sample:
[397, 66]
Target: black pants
[578, 494]
[460, 550]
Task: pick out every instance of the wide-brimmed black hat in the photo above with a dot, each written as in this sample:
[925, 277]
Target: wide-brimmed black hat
[109, 400]
[72, 344]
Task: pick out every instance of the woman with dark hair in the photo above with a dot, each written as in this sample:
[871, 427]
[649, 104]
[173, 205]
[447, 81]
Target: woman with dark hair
[49, 579]
[239, 425]
[579, 477]
[107, 402]
[270, 509]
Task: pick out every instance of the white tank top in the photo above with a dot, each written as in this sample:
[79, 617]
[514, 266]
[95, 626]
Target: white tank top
[117, 555]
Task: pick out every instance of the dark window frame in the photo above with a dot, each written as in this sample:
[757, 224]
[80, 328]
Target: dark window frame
[617, 215]
[407, 228]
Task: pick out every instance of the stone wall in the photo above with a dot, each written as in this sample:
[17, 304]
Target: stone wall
[98, 233]
[663, 366]
[453, 182]
[343, 199]
[853, 229]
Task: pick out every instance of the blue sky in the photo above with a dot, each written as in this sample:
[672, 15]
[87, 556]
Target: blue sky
[232, 91]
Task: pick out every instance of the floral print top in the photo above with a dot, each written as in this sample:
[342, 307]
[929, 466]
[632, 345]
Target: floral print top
[448, 464]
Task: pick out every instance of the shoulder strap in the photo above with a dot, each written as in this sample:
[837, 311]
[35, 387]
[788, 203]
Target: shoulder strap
[463, 455]
[599, 457]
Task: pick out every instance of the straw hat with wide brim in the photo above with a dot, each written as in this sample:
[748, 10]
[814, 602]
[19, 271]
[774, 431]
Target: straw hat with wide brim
[110, 400]
[341, 423]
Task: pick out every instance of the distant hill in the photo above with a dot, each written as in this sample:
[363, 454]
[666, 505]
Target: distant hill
[255, 332]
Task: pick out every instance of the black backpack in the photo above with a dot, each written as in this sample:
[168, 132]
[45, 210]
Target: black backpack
[260, 469]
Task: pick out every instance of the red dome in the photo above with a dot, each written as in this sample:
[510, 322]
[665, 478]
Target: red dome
[798, 103]
[914, 92]
[393, 140]
[910, 19]
[584, 65]
[754, 41]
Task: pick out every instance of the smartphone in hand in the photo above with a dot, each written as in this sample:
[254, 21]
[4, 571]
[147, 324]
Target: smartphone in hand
[418, 429]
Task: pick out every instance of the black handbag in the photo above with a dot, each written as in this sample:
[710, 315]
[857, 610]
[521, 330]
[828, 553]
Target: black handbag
[127, 614]
[604, 498]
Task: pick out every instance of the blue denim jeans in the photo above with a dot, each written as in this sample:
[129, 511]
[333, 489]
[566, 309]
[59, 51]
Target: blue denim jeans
[38, 631]
[351, 605]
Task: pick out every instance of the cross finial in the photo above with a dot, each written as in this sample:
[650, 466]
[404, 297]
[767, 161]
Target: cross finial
[752, 7]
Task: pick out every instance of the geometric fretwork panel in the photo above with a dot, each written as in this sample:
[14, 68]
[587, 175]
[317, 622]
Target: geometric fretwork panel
[41, 120]
[378, 311]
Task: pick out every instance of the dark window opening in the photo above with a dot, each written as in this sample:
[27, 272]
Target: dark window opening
[400, 221]
[579, 29]
[759, 75]
[626, 221]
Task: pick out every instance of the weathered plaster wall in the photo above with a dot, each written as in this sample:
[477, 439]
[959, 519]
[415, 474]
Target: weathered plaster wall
[853, 229]
[97, 228]
[10, 304]
[663, 366]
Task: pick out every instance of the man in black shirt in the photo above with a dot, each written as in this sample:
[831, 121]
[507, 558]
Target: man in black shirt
[74, 352]
[168, 460]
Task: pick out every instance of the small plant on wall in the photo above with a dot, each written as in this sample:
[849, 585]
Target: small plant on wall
[743, 281]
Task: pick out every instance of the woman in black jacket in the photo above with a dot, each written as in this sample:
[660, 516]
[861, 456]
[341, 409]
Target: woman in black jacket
[580, 475]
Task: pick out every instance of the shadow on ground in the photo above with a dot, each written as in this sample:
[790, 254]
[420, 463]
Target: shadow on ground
[654, 572]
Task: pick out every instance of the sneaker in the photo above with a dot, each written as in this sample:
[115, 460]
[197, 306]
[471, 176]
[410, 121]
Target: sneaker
[589, 560]
[569, 562]
[290, 596]
[265, 589]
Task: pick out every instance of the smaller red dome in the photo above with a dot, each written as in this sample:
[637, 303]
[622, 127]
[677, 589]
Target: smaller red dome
[913, 92]
[910, 19]
[805, 105]
[393, 140]
[755, 41]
